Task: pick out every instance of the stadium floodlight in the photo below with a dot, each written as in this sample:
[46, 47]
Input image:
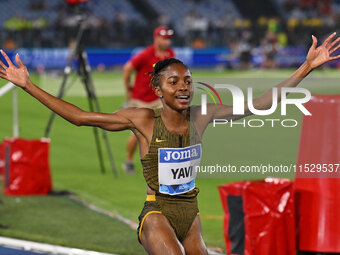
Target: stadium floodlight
[84, 72]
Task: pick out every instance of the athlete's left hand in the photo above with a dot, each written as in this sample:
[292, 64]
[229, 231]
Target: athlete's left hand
[17, 75]
[318, 56]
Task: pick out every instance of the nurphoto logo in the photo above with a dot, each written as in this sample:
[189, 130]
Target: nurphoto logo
[239, 104]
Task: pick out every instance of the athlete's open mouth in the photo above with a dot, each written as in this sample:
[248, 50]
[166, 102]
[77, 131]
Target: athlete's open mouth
[183, 97]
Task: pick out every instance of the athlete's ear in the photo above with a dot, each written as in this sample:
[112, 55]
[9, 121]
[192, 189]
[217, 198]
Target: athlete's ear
[158, 92]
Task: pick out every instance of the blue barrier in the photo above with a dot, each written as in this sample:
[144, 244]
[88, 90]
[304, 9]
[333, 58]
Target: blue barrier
[205, 58]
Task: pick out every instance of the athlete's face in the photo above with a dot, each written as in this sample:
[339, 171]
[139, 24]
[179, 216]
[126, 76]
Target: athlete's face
[176, 87]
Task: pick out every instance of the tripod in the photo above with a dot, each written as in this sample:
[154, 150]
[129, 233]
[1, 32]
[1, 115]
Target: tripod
[84, 72]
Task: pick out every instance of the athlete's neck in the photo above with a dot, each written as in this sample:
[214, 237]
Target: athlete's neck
[175, 121]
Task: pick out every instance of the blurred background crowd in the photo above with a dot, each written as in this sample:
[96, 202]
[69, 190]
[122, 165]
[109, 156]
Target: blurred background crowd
[198, 23]
[240, 25]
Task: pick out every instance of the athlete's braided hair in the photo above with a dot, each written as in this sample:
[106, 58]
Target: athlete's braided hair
[159, 66]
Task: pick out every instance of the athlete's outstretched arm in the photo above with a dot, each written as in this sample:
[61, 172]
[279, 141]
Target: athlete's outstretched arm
[19, 76]
[316, 57]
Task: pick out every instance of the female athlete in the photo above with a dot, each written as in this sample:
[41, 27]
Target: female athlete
[170, 221]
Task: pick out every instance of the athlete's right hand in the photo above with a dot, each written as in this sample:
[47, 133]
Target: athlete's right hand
[17, 75]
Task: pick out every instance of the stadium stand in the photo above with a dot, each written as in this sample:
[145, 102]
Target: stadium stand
[177, 10]
[198, 23]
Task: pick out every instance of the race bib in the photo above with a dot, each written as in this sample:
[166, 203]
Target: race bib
[177, 169]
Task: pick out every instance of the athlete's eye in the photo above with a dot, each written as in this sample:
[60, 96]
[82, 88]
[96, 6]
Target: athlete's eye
[188, 82]
[173, 82]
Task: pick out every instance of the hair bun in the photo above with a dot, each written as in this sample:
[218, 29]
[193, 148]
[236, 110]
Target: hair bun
[159, 66]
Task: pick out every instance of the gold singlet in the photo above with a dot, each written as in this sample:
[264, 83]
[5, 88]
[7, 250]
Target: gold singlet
[179, 209]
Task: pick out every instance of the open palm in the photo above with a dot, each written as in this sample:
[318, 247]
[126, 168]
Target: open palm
[17, 75]
[318, 56]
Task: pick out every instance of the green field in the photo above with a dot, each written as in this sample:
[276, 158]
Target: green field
[75, 167]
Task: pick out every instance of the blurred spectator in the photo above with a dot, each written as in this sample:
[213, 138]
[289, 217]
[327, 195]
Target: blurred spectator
[10, 45]
[198, 44]
[224, 31]
[289, 5]
[92, 25]
[38, 25]
[297, 13]
[164, 20]
[119, 26]
[37, 5]
[244, 49]
[196, 26]
[91, 21]
[269, 50]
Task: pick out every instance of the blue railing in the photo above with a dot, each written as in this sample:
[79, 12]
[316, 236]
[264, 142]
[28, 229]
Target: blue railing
[205, 58]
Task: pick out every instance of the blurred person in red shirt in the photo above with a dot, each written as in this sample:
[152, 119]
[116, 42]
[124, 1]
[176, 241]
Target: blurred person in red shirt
[141, 94]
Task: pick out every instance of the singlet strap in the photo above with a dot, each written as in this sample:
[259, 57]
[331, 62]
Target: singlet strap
[157, 112]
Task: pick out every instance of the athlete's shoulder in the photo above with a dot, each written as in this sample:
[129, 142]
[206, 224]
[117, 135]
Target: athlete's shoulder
[196, 115]
[142, 118]
[195, 110]
[145, 112]
[141, 114]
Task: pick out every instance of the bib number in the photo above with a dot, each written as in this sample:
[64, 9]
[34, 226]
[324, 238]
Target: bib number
[177, 169]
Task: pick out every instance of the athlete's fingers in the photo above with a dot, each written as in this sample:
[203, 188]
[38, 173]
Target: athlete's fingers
[335, 57]
[334, 43]
[3, 65]
[334, 49]
[9, 62]
[17, 59]
[2, 71]
[328, 40]
[315, 42]
[3, 76]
